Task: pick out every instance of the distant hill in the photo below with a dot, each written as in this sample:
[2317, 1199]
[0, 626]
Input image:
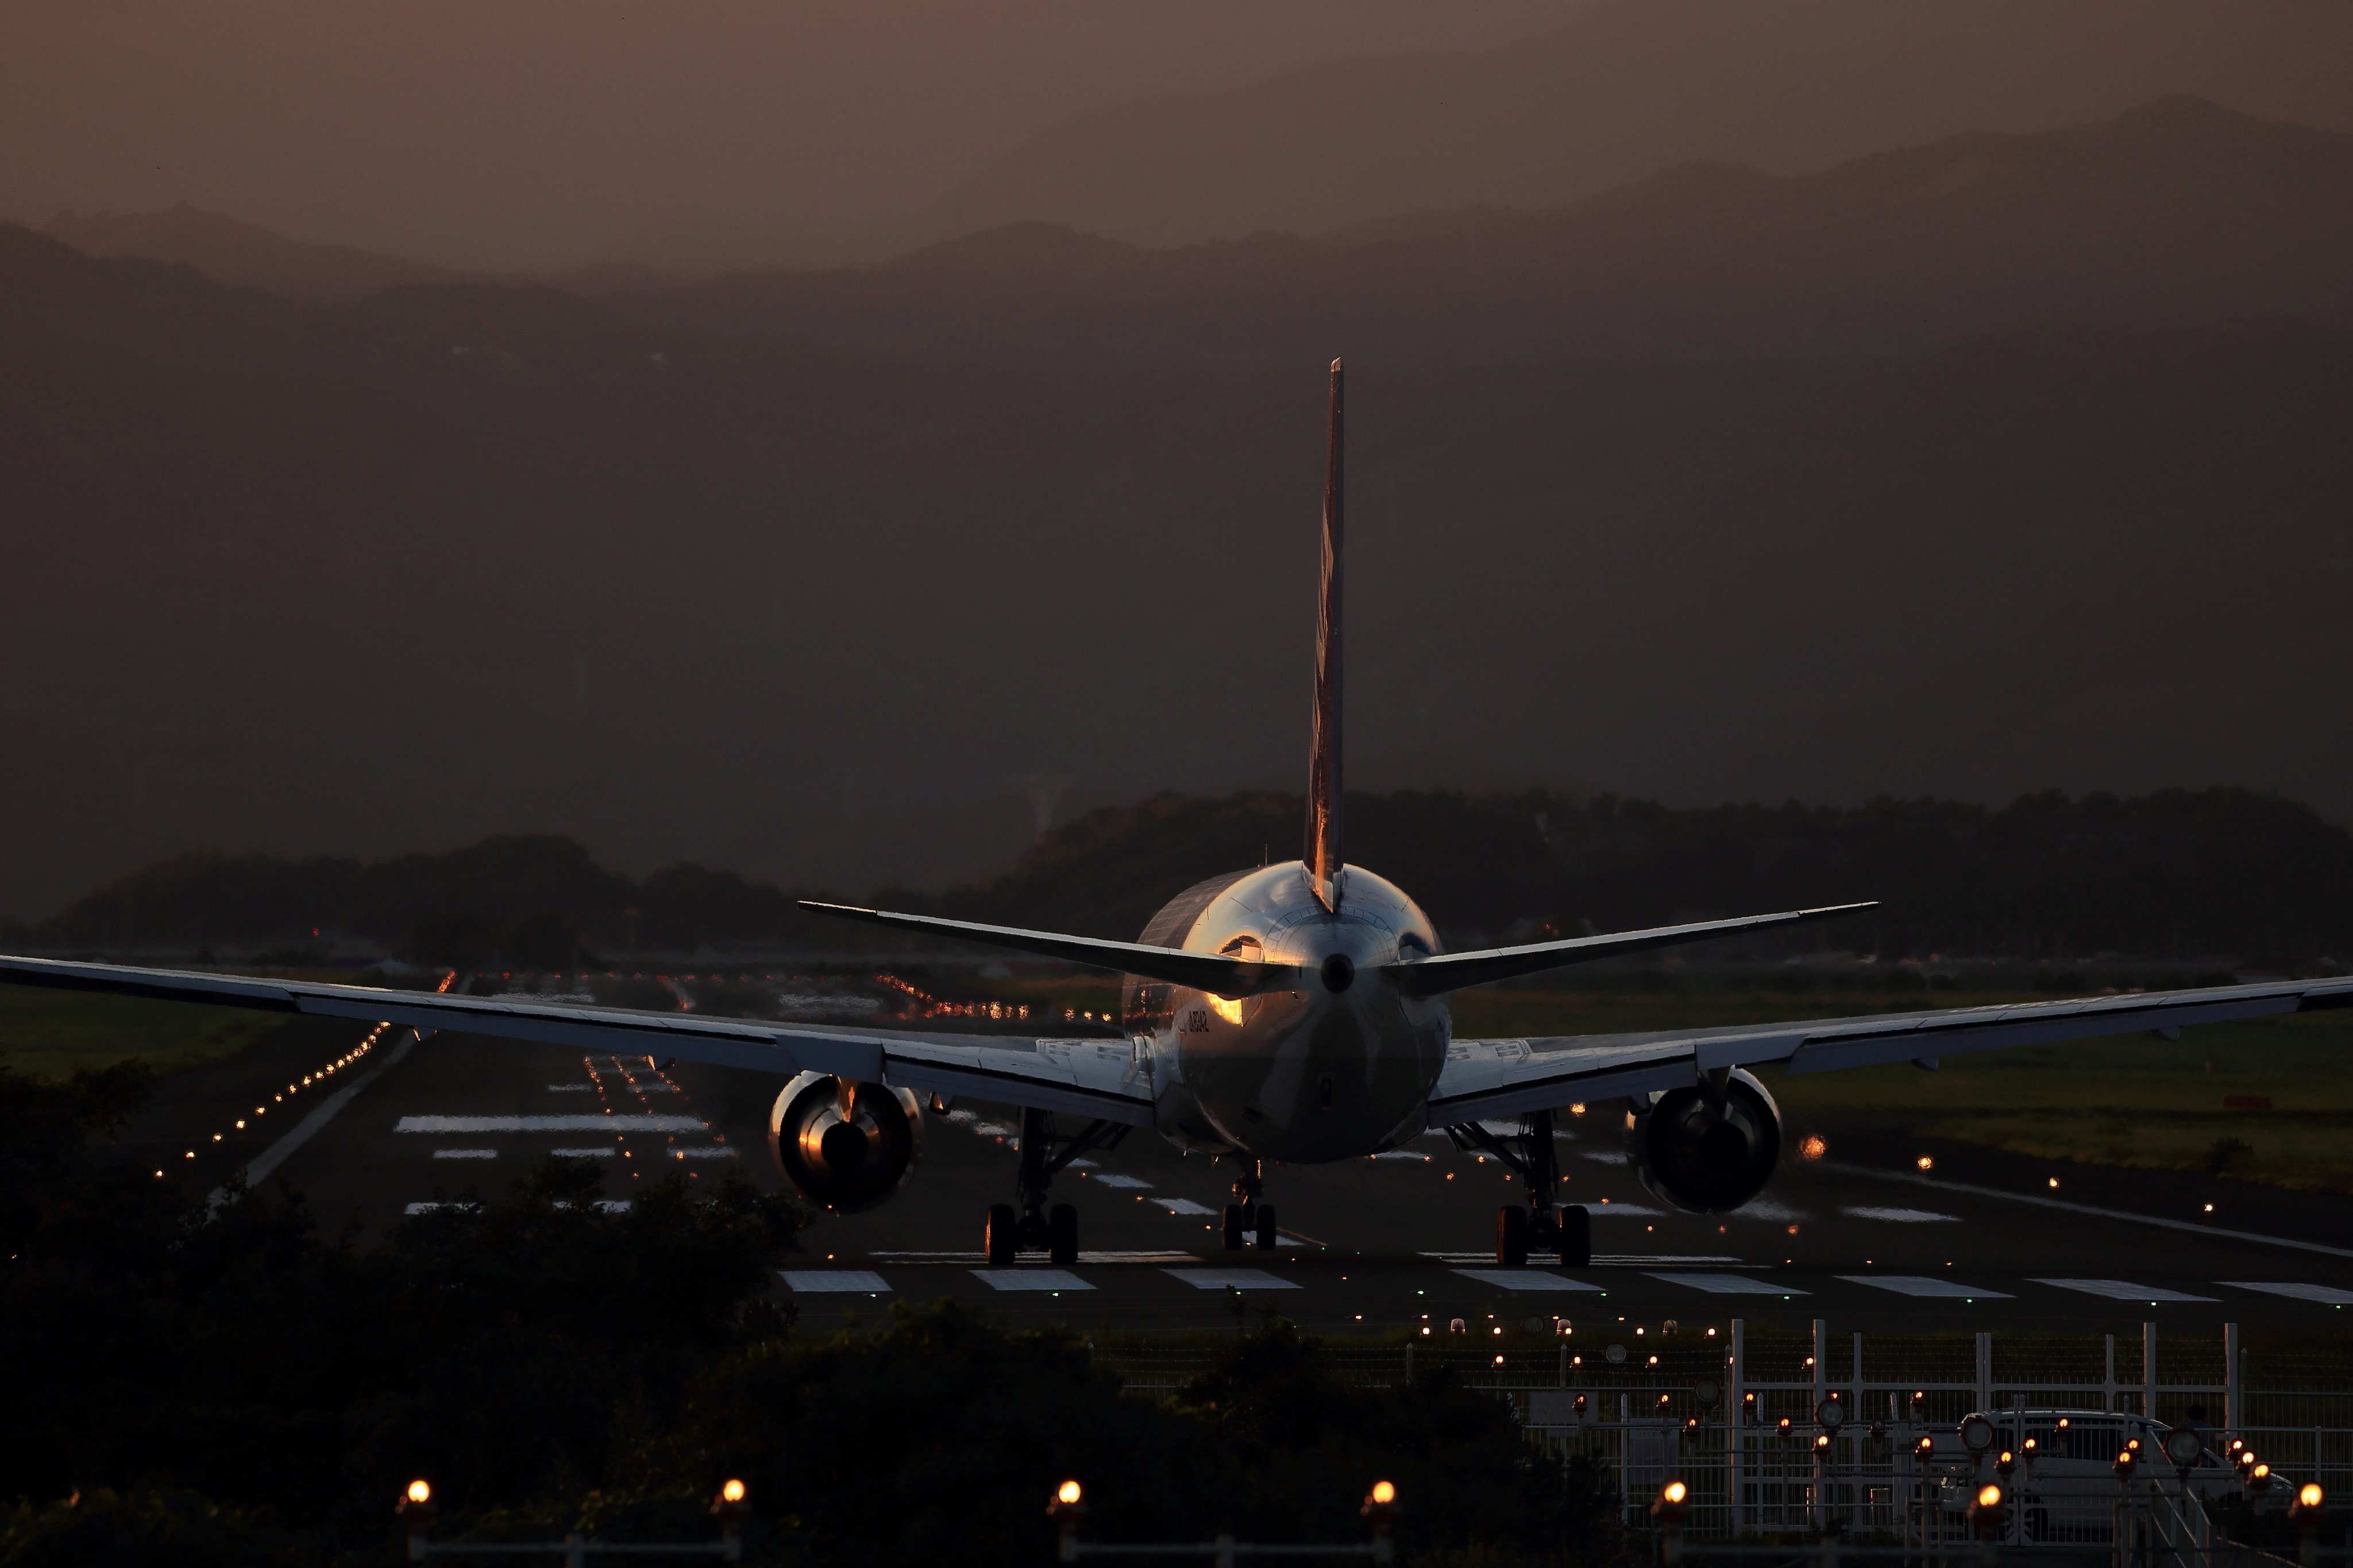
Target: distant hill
[2178, 212]
[1626, 89]
[240, 254]
[2220, 874]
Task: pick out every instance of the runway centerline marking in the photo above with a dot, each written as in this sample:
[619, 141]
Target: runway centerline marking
[1030, 1279]
[1524, 1279]
[2038, 1200]
[2326, 1295]
[2123, 1291]
[1731, 1285]
[1236, 1278]
[604, 1153]
[465, 1153]
[1925, 1285]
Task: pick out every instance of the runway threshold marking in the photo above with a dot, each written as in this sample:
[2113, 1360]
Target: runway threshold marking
[1925, 1285]
[1030, 1279]
[465, 1153]
[1114, 1179]
[862, 1282]
[1731, 1285]
[607, 1153]
[2038, 1200]
[1182, 1205]
[1524, 1279]
[2123, 1291]
[1235, 1278]
[2326, 1295]
[618, 1121]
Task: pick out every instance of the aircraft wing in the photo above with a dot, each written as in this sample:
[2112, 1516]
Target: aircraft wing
[1511, 1076]
[1093, 1077]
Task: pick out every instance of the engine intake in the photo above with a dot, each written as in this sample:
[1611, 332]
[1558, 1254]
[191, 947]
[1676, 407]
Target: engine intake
[846, 1152]
[1701, 1157]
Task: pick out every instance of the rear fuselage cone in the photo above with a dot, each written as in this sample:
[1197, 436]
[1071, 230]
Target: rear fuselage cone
[1334, 1065]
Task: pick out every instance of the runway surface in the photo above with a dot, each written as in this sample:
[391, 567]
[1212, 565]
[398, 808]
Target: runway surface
[1860, 1236]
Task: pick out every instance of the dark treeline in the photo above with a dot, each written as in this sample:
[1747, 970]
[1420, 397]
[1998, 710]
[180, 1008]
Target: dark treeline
[2176, 875]
[237, 1389]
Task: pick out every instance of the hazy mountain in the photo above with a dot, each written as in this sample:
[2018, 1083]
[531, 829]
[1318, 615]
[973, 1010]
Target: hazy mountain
[2178, 212]
[455, 561]
[1631, 87]
[240, 254]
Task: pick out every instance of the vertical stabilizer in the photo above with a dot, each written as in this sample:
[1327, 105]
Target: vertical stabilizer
[1323, 851]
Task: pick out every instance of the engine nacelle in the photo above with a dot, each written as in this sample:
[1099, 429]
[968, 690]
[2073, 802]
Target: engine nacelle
[1702, 1158]
[846, 1152]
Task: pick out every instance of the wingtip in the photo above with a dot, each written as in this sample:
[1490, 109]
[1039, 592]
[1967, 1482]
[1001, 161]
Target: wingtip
[1335, 368]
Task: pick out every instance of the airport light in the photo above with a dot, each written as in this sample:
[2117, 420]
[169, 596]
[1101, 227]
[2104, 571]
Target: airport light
[1986, 1513]
[420, 1491]
[2124, 1465]
[2260, 1480]
[1380, 1511]
[1667, 1509]
[733, 1492]
[2004, 1463]
[415, 1510]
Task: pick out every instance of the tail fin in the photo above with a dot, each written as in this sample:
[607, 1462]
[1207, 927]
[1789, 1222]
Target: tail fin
[1322, 852]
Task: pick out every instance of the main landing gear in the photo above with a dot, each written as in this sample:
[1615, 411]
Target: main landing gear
[1539, 1226]
[1044, 1155]
[1248, 1223]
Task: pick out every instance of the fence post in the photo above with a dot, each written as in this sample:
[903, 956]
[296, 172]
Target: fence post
[1821, 1353]
[1985, 1371]
[2148, 1370]
[1736, 1403]
[2234, 1409]
[2108, 1386]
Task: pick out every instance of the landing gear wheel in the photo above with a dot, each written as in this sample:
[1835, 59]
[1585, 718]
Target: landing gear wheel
[1576, 1236]
[1511, 1235]
[1233, 1237]
[1002, 1237]
[1268, 1236]
[1062, 1233]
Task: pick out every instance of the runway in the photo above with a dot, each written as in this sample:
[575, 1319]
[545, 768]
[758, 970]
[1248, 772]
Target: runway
[1862, 1236]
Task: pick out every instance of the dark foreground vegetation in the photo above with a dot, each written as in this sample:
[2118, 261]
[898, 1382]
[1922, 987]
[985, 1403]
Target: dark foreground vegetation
[242, 1389]
[2178, 876]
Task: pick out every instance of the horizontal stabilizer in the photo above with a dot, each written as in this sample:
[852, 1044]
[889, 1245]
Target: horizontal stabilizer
[1454, 971]
[1202, 971]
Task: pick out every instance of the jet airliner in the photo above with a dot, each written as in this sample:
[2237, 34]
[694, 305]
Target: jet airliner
[1293, 1013]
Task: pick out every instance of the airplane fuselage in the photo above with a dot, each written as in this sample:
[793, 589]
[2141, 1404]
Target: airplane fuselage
[1334, 1069]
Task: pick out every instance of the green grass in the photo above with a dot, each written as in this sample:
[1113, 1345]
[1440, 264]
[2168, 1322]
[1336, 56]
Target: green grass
[2135, 1100]
[48, 1034]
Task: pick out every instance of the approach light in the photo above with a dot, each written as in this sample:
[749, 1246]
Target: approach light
[1384, 1492]
[1988, 1496]
[1926, 1164]
[1067, 1493]
[733, 1492]
[420, 1491]
[1676, 1491]
[2309, 1497]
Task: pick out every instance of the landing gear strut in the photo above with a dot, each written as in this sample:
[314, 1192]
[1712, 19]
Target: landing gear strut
[1248, 1223]
[1044, 1155]
[1540, 1227]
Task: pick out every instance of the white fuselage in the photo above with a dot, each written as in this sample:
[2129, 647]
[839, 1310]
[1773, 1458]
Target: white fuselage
[1339, 1067]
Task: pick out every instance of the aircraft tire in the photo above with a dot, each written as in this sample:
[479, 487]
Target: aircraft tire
[1000, 1238]
[1233, 1236]
[1576, 1236]
[1268, 1237]
[1062, 1233]
[1511, 1235]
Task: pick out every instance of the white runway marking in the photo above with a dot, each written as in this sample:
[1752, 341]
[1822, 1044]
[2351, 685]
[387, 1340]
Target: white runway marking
[1899, 1216]
[1114, 1179]
[618, 1122]
[570, 1088]
[1925, 1285]
[585, 1153]
[465, 1153]
[1524, 1279]
[1182, 1205]
[1730, 1285]
[1636, 1259]
[708, 1152]
[1030, 1279]
[1603, 1156]
[2326, 1295]
[811, 1281]
[2121, 1290]
[1771, 1209]
[1629, 1211]
[2036, 1200]
[1238, 1278]
[1401, 1154]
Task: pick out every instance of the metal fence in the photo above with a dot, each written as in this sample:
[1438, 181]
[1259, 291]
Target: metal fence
[1736, 1417]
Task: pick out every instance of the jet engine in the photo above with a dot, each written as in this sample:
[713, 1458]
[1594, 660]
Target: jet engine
[1702, 1152]
[847, 1146]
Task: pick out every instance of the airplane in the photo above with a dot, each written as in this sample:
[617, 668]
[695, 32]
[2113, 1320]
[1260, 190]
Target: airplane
[1293, 1013]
